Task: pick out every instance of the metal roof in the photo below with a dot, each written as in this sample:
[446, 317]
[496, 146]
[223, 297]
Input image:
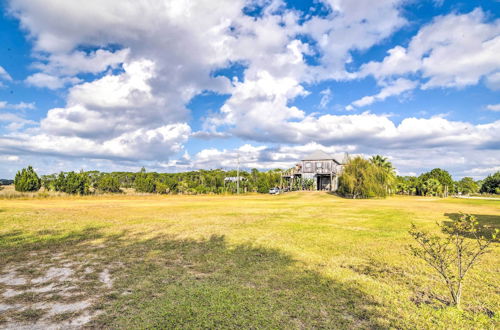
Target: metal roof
[321, 155]
[318, 155]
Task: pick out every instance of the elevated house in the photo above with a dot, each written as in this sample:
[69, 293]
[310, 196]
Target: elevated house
[320, 167]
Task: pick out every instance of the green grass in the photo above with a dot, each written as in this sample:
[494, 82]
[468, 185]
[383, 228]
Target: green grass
[299, 260]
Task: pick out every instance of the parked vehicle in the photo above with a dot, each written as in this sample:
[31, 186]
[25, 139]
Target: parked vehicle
[274, 191]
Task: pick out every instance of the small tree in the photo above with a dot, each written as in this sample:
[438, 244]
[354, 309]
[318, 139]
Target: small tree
[453, 255]
[108, 183]
[467, 186]
[27, 180]
[145, 182]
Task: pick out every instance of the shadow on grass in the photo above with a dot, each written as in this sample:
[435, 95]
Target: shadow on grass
[487, 223]
[166, 282]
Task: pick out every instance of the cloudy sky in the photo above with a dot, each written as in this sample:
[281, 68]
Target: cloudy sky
[181, 84]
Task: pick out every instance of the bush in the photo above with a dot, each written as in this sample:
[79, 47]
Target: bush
[452, 256]
[72, 183]
[108, 183]
[27, 180]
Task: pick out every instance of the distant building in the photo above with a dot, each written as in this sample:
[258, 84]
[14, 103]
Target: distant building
[318, 166]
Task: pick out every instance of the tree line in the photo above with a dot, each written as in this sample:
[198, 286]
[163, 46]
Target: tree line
[360, 178]
[376, 177]
[192, 182]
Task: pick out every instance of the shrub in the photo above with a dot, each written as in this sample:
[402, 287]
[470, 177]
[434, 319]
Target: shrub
[27, 180]
[452, 256]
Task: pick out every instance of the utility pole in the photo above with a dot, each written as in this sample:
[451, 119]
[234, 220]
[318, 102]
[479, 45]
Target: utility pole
[238, 176]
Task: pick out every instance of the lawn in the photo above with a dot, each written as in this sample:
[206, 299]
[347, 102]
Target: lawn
[298, 260]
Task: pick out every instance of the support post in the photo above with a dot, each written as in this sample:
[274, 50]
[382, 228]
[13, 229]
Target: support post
[238, 176]
[331, 181]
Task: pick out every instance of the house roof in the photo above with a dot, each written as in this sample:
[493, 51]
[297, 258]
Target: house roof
[318, 155]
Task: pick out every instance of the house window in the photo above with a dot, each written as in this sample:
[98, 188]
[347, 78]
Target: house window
[319, 164]
[308, 166]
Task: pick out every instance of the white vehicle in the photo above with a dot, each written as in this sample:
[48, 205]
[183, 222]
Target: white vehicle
[274, 191]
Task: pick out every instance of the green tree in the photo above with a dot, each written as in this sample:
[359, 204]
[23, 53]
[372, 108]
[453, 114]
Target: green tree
[145, 182]
[387, 171]
[72, 183]
[491, 185]
[76, 183]
[27, 180]
[108, 183]
[406, 185]
[467, 186]
[362, 179]
[431, 187]
[440, 175]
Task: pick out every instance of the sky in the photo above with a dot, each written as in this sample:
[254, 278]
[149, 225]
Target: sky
[179, 85]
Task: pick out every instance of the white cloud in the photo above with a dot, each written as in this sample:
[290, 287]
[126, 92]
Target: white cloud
[326, 97]
[452, 51]
[493, 81]
[15, 121]
[68, 64]
[17, 106]
[396, 87]
[493, 107]
[159, 143]
[351, 25]
[44, 80]
[13, 158]
[4, 74]
[368, 130]
[112, 105]
[260, 95]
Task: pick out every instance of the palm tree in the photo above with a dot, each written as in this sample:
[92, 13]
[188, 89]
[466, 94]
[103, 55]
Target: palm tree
[388, 170]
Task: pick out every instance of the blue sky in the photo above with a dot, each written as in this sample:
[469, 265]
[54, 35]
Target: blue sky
[176, 85]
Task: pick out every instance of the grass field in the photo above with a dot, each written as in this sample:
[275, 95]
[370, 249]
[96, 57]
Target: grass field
[299, 260]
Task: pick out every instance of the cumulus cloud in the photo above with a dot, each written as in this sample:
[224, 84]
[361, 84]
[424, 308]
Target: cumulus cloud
[67, 64]
[452, 51]
[158, 143]
[44, 80]
[112, 105]
[351, 25]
